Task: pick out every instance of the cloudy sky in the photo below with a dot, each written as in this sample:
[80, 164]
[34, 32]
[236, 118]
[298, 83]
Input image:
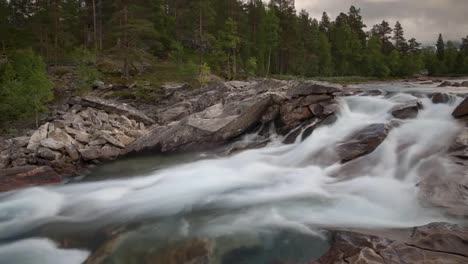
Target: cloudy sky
[422, 19]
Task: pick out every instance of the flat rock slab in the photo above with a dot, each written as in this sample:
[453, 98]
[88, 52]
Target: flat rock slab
[314, 87]
[433, 243]
[20, 177]
[116, 108]
[363, 142]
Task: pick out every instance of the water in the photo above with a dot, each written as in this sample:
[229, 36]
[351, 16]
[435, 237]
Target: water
[257, 206]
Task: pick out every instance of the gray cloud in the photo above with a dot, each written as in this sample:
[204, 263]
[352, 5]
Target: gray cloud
[422, 19]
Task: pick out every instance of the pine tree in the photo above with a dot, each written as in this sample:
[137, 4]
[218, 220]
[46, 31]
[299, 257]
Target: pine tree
[398, 37]
[271, 29]
[325, 23]
[325, 57]
[440, 48]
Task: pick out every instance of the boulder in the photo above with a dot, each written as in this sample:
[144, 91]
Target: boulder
[48, 154]
[214, 126]
[98, 85]
[109, 152]
[440, 98]
[406, 111]
[112, 140]
[51, 143]
[72, 152]
[464, 84]
[314, 88]
[38, 136]
[116, 108]
[462, 109]
[363, 142]
[4, 161]
[20, 177]
[293, 118]
[74, 109]
[20, 142]
[126, 140]
[97, 142]
[90, 153]
[433, 243]
[83, 137]
[271, 114]
[445, 84]
[324, 109]
[4, 144]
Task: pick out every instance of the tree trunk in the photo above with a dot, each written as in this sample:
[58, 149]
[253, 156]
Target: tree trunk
[94, 27]
[126, 43]
[269, 62]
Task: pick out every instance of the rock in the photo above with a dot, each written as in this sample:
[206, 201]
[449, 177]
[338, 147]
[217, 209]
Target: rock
[50, 143]
[462, 109]
[109, 153]
[324, 109]
[98, 142]
[75, 109]
[38, 136]
[99, 85]
[314, 87]
[440, 98]
[72, 152]
[124, 121]
[313, 99]
[4, 161]
[464, 84]
[406, 111]
[126, 140]
[116, 108]
[445, 84]
[456, 84]
[25, 176]
[174, 113]
[271, 114]
[4, 144]
[90, 153]
[20, 142]
[214, 126]
[194, 251]
[57, 140]
[112, 140]
[172, 87]
[48, 154]
[292, 119]
[83, 137]
[433, 243]
[363, 142]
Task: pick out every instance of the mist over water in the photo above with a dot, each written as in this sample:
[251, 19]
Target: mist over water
[299, 187]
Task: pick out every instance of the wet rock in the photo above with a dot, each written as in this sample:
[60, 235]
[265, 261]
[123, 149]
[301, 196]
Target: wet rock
[433, 243]
[194, 252]
[456, 84]
[324, 109]
[440, 98]
[271, 114]
[363, 142]
[314, 88]
[461, 110]
[38, 136]
[48, 154]
[406, 111]
[445, 84]
[72, 152]
[464, 84]
[313, 99]
[4, 161]
[293, 118]
[25, 176]
[116, 108]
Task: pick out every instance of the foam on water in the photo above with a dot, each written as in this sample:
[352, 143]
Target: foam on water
[297, 187]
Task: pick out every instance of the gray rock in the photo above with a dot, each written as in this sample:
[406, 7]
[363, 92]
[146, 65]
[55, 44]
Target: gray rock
[406, 111]
[363, 142]
[124, 121]
[109, 152]
[314, 88]
[48, 154]
[99, 85]
[461, 110]
[4, 161]
[126, 140]
[90, 153]
[50, 143]
[75, 109]
[440, 98]
[98, 142]
[20, 142]
[112, 140]
[464, 84]
[83, 137]
[116, 108]
[72, 152]
[38, 136]
[445, 84]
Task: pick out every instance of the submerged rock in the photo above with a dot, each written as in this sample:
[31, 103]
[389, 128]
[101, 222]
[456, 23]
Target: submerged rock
[433, 243]
[362, 142]
[440, 98]
[24, 176]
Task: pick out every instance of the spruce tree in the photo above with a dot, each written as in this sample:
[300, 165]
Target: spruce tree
[399, 39]
[440, 48]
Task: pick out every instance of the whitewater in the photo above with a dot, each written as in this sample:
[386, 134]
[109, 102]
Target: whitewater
[299, 187]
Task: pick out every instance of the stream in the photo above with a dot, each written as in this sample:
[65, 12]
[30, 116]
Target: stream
[267, 205]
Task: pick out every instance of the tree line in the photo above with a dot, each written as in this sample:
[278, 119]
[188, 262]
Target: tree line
[232, 37]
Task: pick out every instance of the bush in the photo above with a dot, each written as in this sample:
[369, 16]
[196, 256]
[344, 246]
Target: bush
[25, 87]
[251, 66]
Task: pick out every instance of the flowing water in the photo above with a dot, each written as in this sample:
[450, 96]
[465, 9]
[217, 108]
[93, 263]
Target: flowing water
[258, 206]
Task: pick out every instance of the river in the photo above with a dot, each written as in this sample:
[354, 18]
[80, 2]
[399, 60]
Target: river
[257, 206]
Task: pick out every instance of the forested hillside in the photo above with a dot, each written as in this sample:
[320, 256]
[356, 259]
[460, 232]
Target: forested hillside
[194, 38]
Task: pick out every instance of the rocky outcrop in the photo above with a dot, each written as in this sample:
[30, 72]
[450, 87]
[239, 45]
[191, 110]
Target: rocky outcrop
[407, 110]
[314, 88]
[362, 142]
[462, 109]
[434, 243]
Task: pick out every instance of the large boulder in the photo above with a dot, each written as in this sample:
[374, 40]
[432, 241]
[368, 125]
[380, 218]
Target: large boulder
[363, 142]
[406, 111]
[314, 88]
[464, 84]
[440, 98]
[215, 125]
[462, 109]
[39, 135]
[433, 243]
[20, 177]
[116, 108]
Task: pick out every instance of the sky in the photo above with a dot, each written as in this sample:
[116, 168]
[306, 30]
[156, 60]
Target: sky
[421, 19]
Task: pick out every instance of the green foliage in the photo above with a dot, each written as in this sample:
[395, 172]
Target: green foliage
[87, 70]
[251, 66]
[25, 88]
[204, 74]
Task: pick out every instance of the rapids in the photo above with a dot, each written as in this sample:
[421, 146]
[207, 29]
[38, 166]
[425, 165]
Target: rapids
[294, 188]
